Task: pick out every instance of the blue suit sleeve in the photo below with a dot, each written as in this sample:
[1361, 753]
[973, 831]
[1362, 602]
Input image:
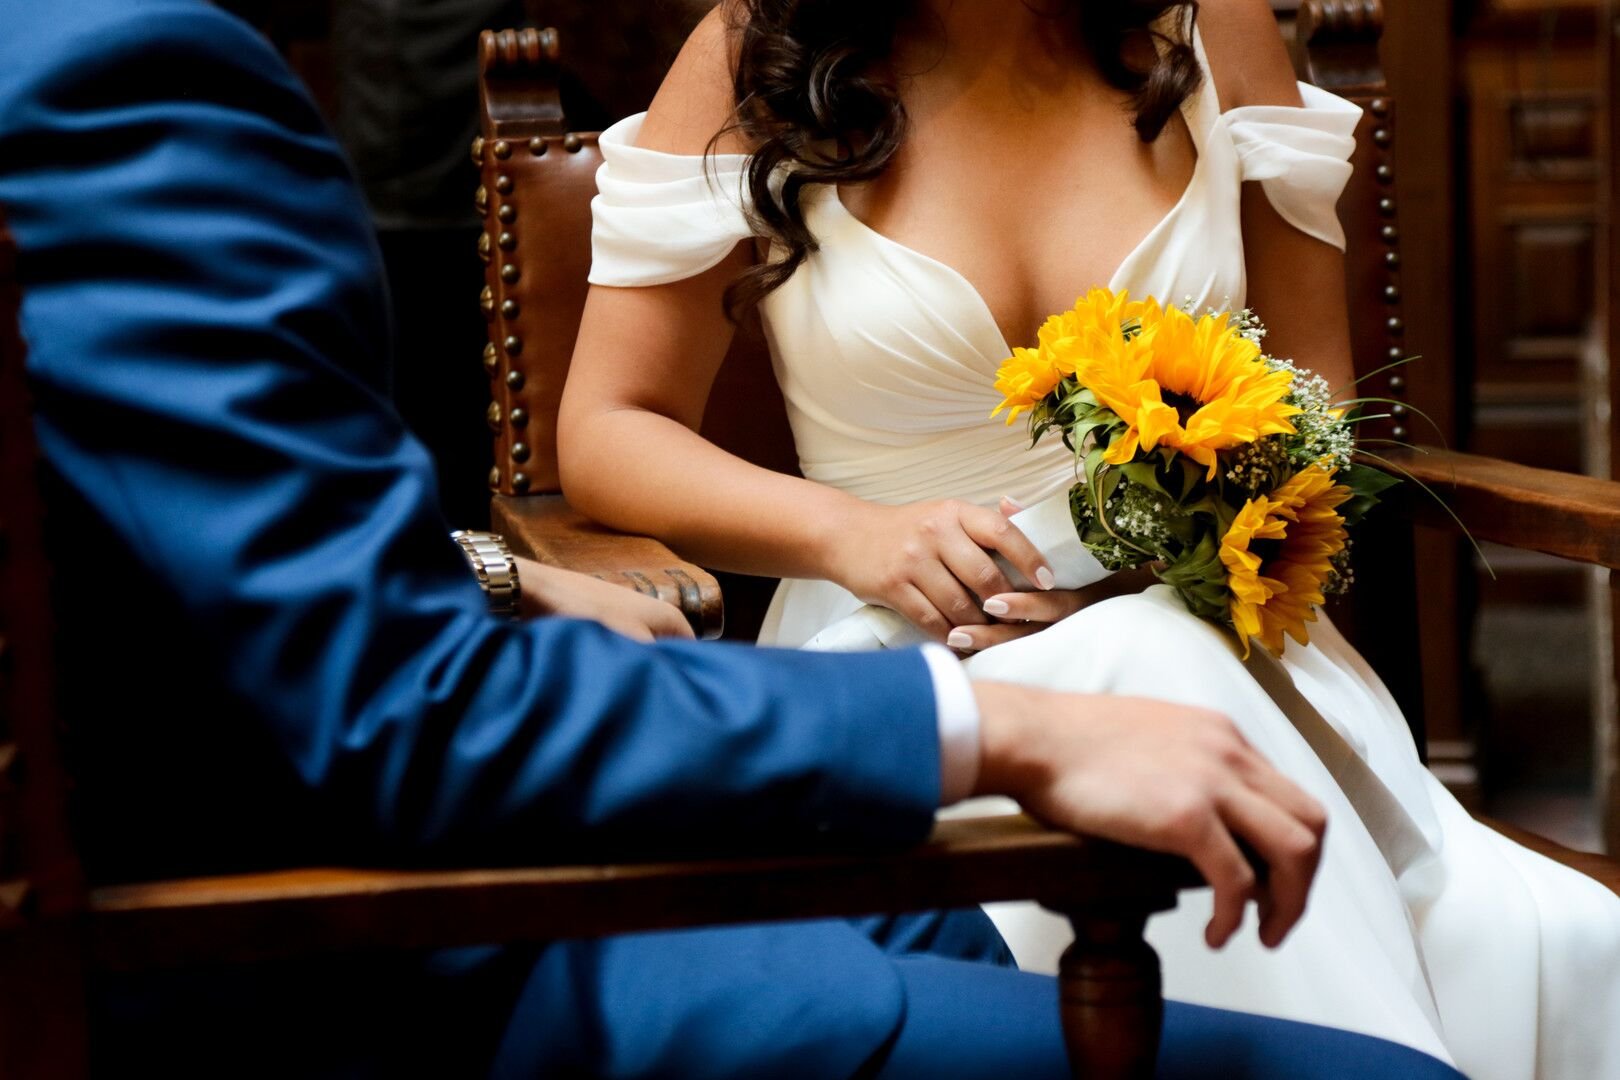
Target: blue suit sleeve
[205, 314]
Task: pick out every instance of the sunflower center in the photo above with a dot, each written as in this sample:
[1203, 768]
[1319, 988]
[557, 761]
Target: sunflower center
[1184, 404]
[1267, 550]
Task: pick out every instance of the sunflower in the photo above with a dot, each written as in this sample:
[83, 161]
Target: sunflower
[1097, 322]
[1023, 379]
[1196, 385]
[1278, 555]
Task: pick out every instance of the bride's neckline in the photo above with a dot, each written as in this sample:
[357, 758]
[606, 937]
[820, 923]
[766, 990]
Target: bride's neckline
[1200, 141]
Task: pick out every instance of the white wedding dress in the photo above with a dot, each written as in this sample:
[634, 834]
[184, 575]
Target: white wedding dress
[1424, 927]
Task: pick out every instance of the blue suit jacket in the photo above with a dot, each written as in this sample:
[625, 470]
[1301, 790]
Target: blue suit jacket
[275, 653]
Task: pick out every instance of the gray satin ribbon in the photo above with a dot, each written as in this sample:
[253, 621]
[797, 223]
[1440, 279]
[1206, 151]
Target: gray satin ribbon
[1399, 840]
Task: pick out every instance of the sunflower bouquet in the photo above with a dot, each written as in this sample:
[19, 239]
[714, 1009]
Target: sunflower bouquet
[1232, 473]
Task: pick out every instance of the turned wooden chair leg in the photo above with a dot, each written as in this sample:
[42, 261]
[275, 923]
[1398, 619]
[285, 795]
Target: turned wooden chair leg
[1111, 996]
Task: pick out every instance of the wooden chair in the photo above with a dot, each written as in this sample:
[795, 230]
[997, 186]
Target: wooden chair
[537, 182]
[56, 927]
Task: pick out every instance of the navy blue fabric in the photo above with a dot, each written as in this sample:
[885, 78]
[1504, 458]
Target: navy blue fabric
[204, 313]
[968, 1022]
[275, 654]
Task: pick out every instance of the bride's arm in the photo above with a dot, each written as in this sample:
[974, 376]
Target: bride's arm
[643, 366]
[631, 457]
[1296, 282]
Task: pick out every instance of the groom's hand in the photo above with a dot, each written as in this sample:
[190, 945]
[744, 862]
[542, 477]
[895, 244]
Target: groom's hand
[1156, 775]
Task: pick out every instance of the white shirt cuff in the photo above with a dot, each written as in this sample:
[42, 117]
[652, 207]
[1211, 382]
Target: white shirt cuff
[958, 714]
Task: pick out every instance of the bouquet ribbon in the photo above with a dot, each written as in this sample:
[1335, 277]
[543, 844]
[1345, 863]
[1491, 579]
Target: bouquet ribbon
[1049, 525]
[1399, 840]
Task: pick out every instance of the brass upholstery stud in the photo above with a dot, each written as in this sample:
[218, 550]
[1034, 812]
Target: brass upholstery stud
[509, 308]
[1398, 431]
[492, 360]
[1397, 410]
[1392, 294]
[1397, 383]
[510, 273]
[483, 247]
[1386, 206]
[1381, 136]
[481, 199]
[1396, 353]
[16, 897]
[572, 143]
[493, 416]
[507, 241]
[1392, 259]
[503, 184]
[513, 344]
[520, 483]
[537, 146]
[1384, 173]
[502, 149]
[514, 379]
[495, 477]
[478, 150]
[486, 302]
[507, 213]
[1379, 107]
[519, 417]
[1396, 324]
[520, 452]
[1390, 234]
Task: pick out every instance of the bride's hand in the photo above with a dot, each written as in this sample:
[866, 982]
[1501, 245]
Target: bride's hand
[931, 562]
[547, 590]
[1018, 614]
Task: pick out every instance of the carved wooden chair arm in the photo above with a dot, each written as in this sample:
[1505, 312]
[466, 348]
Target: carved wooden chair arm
[1111, 998]
[262, 916]
[546, 529]
[1564, 514]
[1573, 517]
[1600, 868]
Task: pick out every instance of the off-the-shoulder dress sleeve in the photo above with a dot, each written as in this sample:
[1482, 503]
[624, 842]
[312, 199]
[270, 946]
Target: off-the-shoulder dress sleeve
[661, 217]
[1300, 156]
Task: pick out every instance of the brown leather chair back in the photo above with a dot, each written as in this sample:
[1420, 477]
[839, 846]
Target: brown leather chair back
[538, 182]
[1336, 48]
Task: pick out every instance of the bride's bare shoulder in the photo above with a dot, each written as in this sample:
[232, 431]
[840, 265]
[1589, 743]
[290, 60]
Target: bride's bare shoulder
[1247, 58]
[696, 101]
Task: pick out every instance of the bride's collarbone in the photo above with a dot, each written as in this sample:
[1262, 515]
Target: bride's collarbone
[1029, 230]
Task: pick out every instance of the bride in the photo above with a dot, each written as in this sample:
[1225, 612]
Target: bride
[906, 190]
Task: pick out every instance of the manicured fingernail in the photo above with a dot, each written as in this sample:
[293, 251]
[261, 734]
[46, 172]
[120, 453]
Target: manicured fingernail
[959, 639]
[996, 607]
[1044, 578]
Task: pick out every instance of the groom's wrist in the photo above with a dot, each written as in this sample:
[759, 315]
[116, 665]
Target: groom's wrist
[1011, 760]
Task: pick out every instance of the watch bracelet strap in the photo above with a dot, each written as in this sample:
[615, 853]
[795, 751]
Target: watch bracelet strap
[495, 567]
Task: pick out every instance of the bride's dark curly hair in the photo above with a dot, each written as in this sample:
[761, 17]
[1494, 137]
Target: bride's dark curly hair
[815, 98]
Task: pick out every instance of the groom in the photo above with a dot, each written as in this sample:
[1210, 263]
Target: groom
[276, 656]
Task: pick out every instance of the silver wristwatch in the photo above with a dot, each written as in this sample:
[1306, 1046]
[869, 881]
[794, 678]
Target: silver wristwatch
[495, 568]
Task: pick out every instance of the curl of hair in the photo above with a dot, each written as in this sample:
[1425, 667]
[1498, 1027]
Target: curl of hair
[815, 99]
